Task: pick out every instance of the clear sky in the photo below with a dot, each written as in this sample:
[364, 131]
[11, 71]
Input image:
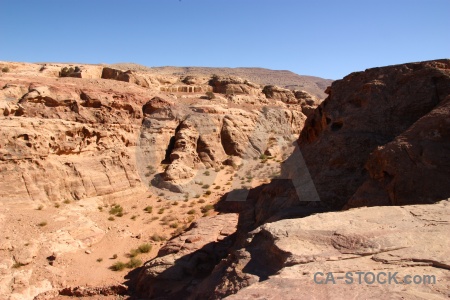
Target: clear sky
[322, 38]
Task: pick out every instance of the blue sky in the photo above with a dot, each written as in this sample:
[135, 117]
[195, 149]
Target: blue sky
[322, 38]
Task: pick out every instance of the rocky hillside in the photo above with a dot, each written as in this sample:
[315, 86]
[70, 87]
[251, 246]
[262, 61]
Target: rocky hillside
[283, 78]
[97, 160]
[380, 138]
[85, 130]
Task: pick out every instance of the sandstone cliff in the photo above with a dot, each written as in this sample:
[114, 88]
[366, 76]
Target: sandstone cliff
[382, 134]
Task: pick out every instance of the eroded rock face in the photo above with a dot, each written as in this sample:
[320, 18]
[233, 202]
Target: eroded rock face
[128, 76]
[374, 122]
[233, 85]
[414, 167]
[188, 258]
[280, 259]
[407, 240]
[278, 93]
[62, 146]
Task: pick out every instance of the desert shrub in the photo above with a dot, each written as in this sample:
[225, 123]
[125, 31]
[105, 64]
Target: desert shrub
[99, 259]
[191, 212]
[178, 231]
[42, 224]
[118, 266]
[150, 171]
[206, 208]
[114, 256]
[133, 217]
[67, 201]
[208, 192]
[134, 263]
[133, 253]
[210, 95]
[205, 186]
[174, 225]
[157, 238]
[5, 69]
[145, 248]
[111, 218]
[40, 207]
[161, 211]
[149, 209]
[116, 210]
[57, 205]
[217, 187]
[201, 201]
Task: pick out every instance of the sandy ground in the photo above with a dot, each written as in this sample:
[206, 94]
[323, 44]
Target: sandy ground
[86, 239]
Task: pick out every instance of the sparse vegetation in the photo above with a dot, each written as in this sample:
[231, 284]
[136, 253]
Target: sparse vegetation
[57, 205]
[114, 256]
[133, 253]
[118, 266]
[149, 209]
[40, 207]
[99, 259]
[134, 263]
[116, 210]
[157, 238]
[201, 201]
[67, 201]
[210, 95]
[206, 186]
[206, 173]
[150, 171]
[206, 208]
[161, 211]
[208, 192]
[191, 212]
[145, 248]
[174, 225]
[42, 224]
[111, 218]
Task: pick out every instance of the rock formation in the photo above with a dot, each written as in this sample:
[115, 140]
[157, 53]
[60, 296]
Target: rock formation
[369, 143]
[393, 124]
[76, 139]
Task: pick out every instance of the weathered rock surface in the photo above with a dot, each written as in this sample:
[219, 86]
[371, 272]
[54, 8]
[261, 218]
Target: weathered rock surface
[393, 124]
[186, 259]
[234, 85]
[408, 240]
[280, 259]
